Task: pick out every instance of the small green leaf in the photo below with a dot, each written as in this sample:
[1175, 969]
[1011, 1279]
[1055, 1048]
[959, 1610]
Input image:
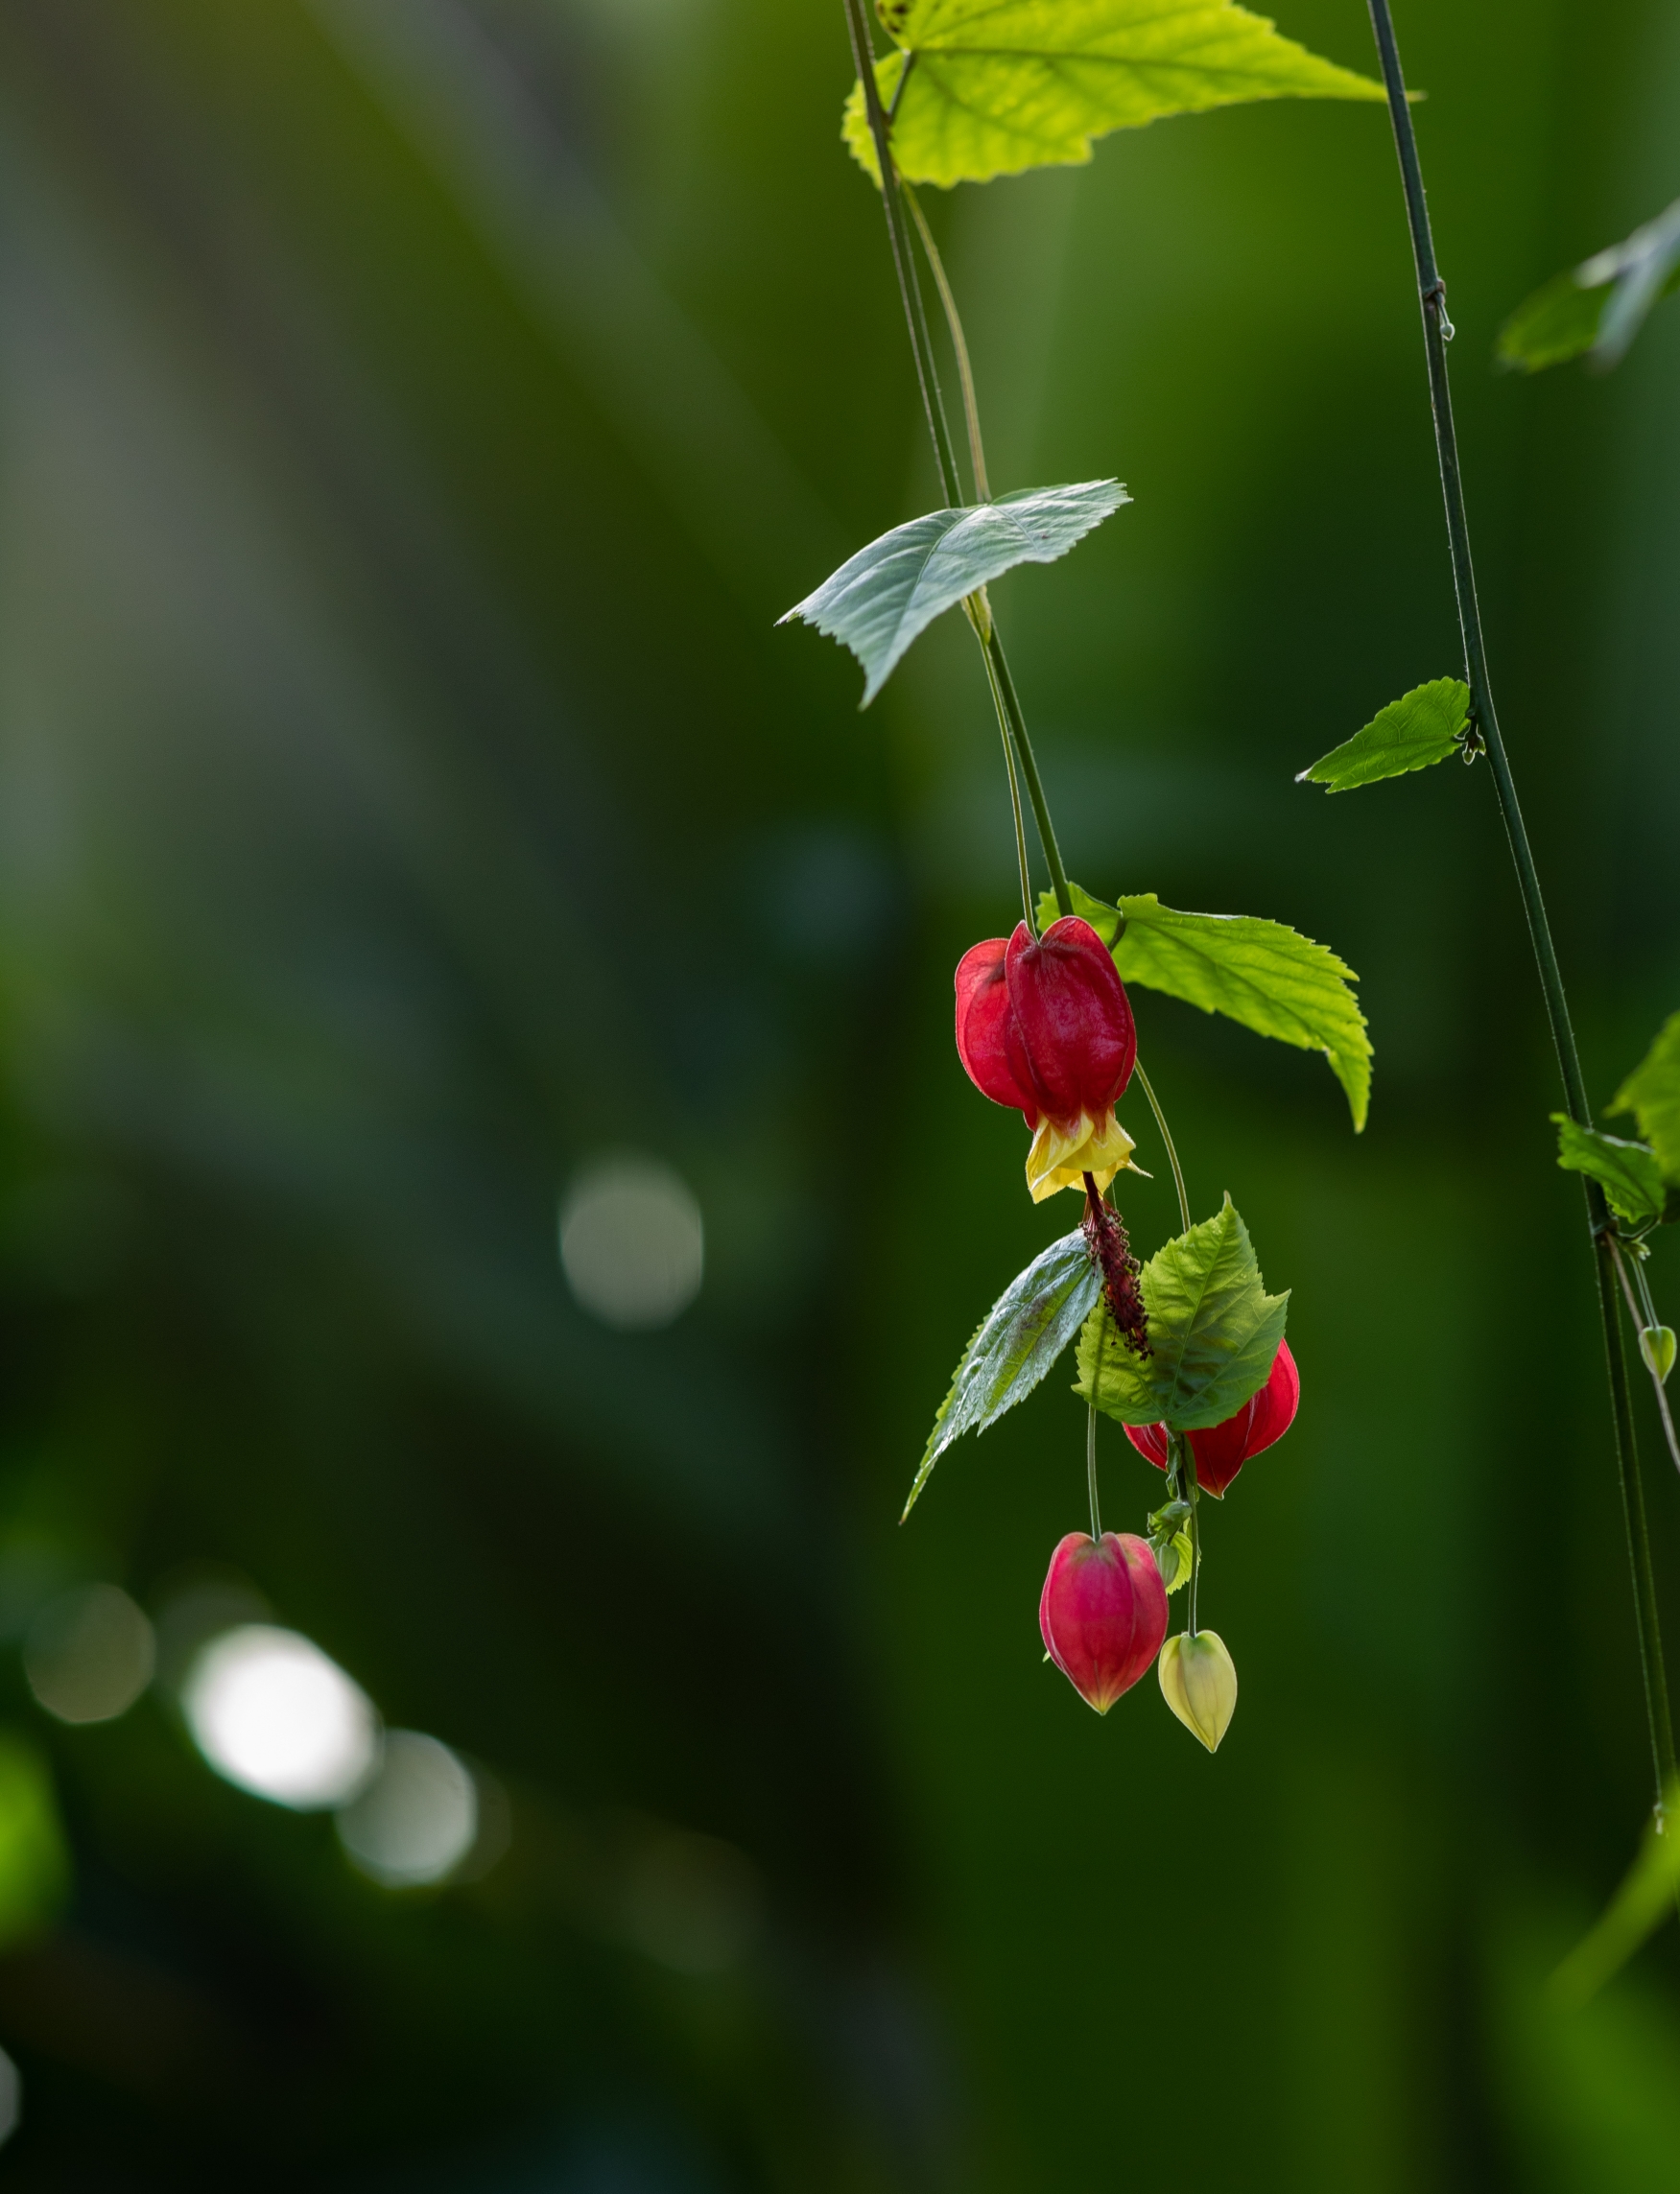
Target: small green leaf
[1020, 1338]
[1214, 1332]
[1270, 977]
[1651, 1092]
[1422, 726]
[1174, 1558]
[1001, 85]
[1627, 1172]
[881, 599]
[1598, 306]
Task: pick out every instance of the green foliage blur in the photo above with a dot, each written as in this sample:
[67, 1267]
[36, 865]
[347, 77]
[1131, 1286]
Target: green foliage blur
[417, 414]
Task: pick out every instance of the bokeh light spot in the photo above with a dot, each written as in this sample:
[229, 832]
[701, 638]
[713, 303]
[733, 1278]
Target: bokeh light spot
[88, 1654]
[632, 1243]
[417, 1819]
[271, 1714]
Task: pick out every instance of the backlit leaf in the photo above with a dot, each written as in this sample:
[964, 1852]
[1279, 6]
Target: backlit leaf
[1421, 727]
[1214, 1332]
[1627, 1172]
[1020, 1338]
[1598, 306]
[1651, 1092]
[999, 85]
[1270, 977]
[881, 599]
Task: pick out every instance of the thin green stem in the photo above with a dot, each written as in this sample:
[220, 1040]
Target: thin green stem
[958, 344]
[1010, 703]
[1027, 914]
[1167, 1139]
[1437, 331]
[1091, 1469]
[1645, 1316]
[903, 259]
[1192, 1492]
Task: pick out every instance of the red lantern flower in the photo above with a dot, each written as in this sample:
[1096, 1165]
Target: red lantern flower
[1102, 1613]
[1221, 1450]
[1043, 1023]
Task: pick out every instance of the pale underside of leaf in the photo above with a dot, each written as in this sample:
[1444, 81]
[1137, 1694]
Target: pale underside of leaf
[1019, 1339]
[1001, 85]
[1214, 1333]
[1628, 1172]
[882, 599]
[1598, 306]
[1263, 974]
[1423, 727]
[1651, 1092]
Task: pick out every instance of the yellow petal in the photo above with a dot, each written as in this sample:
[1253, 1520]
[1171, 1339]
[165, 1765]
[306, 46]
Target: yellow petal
[1064, 1152]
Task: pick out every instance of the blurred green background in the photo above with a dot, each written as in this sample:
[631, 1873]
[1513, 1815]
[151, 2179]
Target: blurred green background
[416, 413]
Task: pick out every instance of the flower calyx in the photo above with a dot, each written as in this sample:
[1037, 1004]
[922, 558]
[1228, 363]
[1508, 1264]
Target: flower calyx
[1199, 1681]
[1044, 1025]
[1102, 1613]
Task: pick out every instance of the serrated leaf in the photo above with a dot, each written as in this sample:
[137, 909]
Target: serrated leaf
[1651, 1092]
[884, 596]
[1627, 1172]
[1214, 1332]
[1270, 977]
[1001, 85]
[1422, 726]
[1019, 1339]
[1598, 306]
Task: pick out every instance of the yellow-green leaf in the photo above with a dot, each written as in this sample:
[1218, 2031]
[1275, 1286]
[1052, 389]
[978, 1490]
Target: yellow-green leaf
[1651, 1092]
[999, 85]
[1270, 977]
[1422, 726]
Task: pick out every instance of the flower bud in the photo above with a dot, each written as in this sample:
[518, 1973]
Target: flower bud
[1221, 1449]
[1044, 1023]
[1199, 1681]
[1656, 1344]
[1102, 1613]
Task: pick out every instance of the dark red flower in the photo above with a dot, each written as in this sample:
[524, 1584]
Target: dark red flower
[1102, 1613]
[1043, 1023]
[1222, 1449]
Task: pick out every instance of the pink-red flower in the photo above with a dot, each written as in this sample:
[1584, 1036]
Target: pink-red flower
[1044, 1023]
[1221, 1450]
[1102, 1613]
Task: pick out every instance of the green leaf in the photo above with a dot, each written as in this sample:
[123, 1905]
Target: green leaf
[1598, 306]
[35, 1864]
[1651, 1092]
[1627, 1172]
[881, 599]
[999, 85]
[1270, 977]
[1020, 1338]
[1214, 1332]
[1422, 726]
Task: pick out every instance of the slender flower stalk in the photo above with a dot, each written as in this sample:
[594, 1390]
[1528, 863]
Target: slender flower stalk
[1438, 333]
[1005, 697]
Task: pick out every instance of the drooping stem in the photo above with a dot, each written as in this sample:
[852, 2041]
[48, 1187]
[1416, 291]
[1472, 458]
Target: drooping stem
[1091, 1469]
[959, 345]
[1003, 695]
[1014, 775]
[1437, 331]
[909, 288]
[1167, 1139]
[1191, 1492]
[1642, 1317]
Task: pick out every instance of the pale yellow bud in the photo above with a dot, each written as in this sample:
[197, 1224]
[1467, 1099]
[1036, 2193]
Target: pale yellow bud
[1199, 1681]
[1656, 1344]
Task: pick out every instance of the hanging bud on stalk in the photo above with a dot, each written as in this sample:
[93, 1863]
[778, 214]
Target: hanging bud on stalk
[1102, 1613]
[1199, 1681]
[1043, 1023]
[1221, 1449]
[1656, 1344]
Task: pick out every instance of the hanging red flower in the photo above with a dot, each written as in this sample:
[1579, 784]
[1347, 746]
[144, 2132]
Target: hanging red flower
[1044, 1023]
[1102, 1613]
[1221, 1449]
